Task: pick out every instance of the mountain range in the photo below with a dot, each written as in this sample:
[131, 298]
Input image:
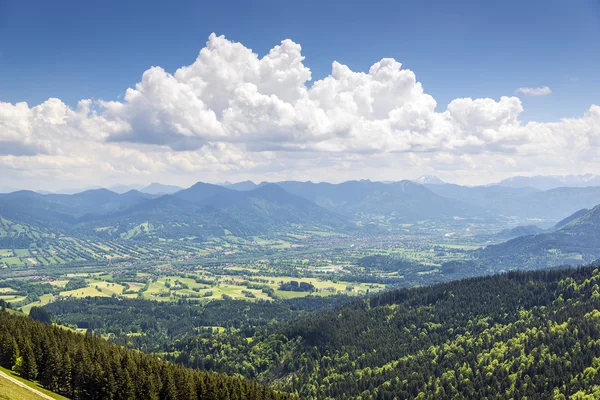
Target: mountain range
[199, 211]
[207, 209]
[564, 228]
[245, 185]
[408, 201]
[399, 202]
[158, 188]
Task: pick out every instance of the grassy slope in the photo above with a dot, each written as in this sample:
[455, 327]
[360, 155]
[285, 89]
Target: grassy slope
[11, 391]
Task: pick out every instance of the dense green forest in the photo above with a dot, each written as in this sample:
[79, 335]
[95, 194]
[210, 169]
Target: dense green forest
[152, 325]
[88, 367]
[533, 334]
[516, 335]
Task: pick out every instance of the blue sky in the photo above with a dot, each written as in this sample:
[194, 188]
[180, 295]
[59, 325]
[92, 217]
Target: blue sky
[76, 49]
[245, 110]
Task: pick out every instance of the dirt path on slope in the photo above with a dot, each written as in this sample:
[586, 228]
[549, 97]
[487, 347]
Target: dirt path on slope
[19, 383]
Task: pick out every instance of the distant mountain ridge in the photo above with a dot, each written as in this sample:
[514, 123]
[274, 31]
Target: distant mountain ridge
[577, 241]
[570, 218]
[401, 201]
[523, 202]
[247, 208]
[522, 230]
[202, 210]
[429, 180]
[245, 185]
[159, 188]
[66, 209]
[551, 182]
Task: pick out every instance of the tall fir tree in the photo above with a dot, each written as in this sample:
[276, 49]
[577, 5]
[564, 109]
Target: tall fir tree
[28, 368]
[53, 366]
[9, 351]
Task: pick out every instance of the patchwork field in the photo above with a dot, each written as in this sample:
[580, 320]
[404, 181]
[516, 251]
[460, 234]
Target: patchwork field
[228, 267]
[198, 286]
[35, 248]
[44, 299]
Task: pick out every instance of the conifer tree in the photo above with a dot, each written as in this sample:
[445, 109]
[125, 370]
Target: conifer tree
[9, 351]
[168, 390]
[65, 377]
[50, 375]
[28, 368]
[126, 387]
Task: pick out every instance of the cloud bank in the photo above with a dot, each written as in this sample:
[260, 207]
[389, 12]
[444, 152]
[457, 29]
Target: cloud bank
[234, 115]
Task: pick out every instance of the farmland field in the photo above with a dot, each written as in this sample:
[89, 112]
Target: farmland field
[227, 267]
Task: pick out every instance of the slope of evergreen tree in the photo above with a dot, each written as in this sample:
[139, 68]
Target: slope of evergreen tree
[88, 367]
[40, 314]
[517, 335]
[164, 322]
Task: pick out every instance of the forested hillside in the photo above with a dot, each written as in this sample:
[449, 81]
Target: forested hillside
[88, 367]
[521, 334]
[576, 241]
[516, 335]
[153, 325]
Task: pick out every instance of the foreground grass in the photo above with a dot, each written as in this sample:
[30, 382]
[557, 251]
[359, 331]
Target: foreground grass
[10, 391]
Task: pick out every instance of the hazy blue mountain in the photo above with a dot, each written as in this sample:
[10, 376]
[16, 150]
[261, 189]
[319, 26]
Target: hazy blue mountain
[497, 199]
[576, 242]
[551, 182]
[71, 190]
[206, 210]
[201, 191]
[270, 205]
[64, 210]
[524, 202]
[537, 182]
[570, 218]
[523, 230]
[245, 185]
[203, 210]
[429, 180]
[402, 201]
[159, 188]
[125, 188]
[557, 203]
[99, 201]
[34, 208]
[119, 189]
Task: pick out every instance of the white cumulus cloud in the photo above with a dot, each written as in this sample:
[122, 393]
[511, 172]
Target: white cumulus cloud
[232, 114]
